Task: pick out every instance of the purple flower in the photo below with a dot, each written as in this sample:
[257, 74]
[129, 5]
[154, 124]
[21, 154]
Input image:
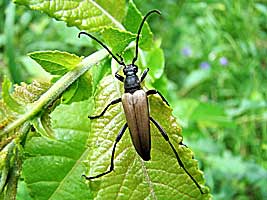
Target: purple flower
[204, 65]
[186, 51]
[223, 61]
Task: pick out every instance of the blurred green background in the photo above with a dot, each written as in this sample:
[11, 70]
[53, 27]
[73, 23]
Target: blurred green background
[215, 79]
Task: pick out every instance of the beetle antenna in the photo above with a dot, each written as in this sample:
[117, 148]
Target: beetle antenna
[121, 58]
[139, 32]
[103, 45]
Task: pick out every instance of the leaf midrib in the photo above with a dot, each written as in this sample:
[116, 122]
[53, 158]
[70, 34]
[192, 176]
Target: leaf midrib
[150, 183]
[118, 24]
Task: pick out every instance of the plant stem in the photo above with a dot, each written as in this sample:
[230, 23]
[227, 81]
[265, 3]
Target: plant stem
[14, 163]
[56, 90]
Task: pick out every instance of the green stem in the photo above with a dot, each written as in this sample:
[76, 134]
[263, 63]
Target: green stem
[15, 164]
[56, 90]
[8, 151]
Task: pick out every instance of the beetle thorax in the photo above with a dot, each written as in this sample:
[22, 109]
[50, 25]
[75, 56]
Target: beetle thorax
[131, 82]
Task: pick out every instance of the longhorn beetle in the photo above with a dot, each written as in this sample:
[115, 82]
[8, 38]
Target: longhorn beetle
[136, 108]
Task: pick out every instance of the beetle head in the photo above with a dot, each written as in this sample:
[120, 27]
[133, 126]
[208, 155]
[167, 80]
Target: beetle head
[130, 69]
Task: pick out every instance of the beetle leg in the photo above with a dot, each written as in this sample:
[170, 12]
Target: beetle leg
[164, 134]
[119, 136]
[181, 143]
[119, 77]
[103, 112]
[143, 76]
[149, 92]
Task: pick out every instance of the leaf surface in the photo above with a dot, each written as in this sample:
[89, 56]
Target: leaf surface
[56, 62]
[8, 99]
[59, 160]
[156, 62]
[132, 22]
[99, 16]
[117, 39]
[160, 178]
[89, 15]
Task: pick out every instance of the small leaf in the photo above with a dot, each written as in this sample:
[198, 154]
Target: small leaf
[42, 125]
[99, 71]
[29, 93]
[80, 90]
[132, 22]
[15, 103]
[56, 62]
[23, 193]
[117, 39]
[9, 101]
[89, 15]
[156, 62]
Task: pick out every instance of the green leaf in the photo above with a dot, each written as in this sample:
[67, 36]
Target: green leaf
[35, 103]
[15, 103]
[117, 39]
[99, 71]
[212, 115]
[204, 114]
[53, 168]
[183, 109]
[89, 15]
[23, 193]
[194, 79]
[56, 62]
[132, 178]
[80, 90]
[43, 101]
[98, 16]
[9, 101]
[247, 105]
[42, 125]
[156, 62]
[132, 22]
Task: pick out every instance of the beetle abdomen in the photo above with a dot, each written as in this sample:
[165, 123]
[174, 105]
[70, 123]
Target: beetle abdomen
[137, 115]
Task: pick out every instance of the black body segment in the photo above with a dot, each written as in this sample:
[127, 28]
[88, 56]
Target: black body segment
[137, 116]
[131, 81]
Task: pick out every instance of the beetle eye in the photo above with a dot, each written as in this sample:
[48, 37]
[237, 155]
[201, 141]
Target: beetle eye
[135, 68]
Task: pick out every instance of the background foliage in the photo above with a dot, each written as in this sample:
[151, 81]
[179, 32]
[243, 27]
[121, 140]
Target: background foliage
[215, 79]
[216, 69]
